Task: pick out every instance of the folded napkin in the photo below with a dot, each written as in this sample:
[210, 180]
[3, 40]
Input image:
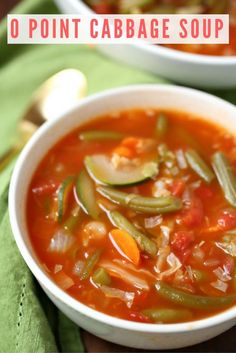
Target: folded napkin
[29, 322]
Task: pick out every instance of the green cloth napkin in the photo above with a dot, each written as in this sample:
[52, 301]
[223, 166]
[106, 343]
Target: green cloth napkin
[29, 322]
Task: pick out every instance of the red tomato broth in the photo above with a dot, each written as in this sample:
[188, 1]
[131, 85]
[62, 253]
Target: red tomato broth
[66, 158]
[181, 6]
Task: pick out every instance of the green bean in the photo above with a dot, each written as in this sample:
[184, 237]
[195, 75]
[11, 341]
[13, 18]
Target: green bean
[192, 301]
[167, 315]
[225, 176]
[101, 277]
[70, 223]
[62, 199]
[163, 204]
[85, 191]
[161, 125]
[199, 166]
[89, 264]
[100, 135]
[145, 244]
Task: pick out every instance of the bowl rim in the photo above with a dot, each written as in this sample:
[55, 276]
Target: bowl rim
[41, 275]
[170, 53]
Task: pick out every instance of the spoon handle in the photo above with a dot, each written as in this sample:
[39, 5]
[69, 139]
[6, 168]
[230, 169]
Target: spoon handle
[26, 130]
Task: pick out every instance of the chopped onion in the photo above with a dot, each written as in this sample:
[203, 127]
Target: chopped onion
[190, 273]
[222, 286]
[127, 297]
[228, 247]
[174, 264]
[61, 241]
[78, 268]
[153, 222]
[162, 255]
[139, 271]
[181, 160]
[165, 231]
[198, 253]
[160, 187]
[95, 230]
[222, 274]
[126, 276]
[58, 268]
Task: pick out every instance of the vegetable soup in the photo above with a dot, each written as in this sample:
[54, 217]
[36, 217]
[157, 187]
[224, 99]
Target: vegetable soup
[177, 7]
[133, 214]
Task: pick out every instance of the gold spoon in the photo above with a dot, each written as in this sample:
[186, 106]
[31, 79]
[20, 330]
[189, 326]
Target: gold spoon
[59, 93]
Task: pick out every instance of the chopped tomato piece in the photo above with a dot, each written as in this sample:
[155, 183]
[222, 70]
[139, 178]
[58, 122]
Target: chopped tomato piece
[194, 215]
[181, 244]
[227, 220]
[178, 187]
[204, 192]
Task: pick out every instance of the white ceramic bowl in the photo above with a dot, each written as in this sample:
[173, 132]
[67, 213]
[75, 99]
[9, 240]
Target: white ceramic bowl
[139, 335]
[185, 68]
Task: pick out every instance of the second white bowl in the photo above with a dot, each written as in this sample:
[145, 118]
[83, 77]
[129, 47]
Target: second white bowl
[190, 69]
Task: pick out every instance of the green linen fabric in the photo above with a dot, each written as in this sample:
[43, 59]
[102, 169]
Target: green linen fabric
[29, 322]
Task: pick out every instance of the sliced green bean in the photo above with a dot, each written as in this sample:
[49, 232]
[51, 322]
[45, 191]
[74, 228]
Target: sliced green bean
[161, 125]
[199, 166]
[101, 277]
[192, 301]
[89, 264]
[225, 176]
[71, 223]
[63, 192]
[163, 204]
[85, 191]
[145, 244]
[100, 135]
[167, 315]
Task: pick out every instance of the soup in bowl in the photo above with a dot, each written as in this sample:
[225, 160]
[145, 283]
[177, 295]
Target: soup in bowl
[126, 215]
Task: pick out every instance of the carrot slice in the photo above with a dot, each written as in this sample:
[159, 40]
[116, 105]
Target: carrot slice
[126, 245]
[124, 152]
